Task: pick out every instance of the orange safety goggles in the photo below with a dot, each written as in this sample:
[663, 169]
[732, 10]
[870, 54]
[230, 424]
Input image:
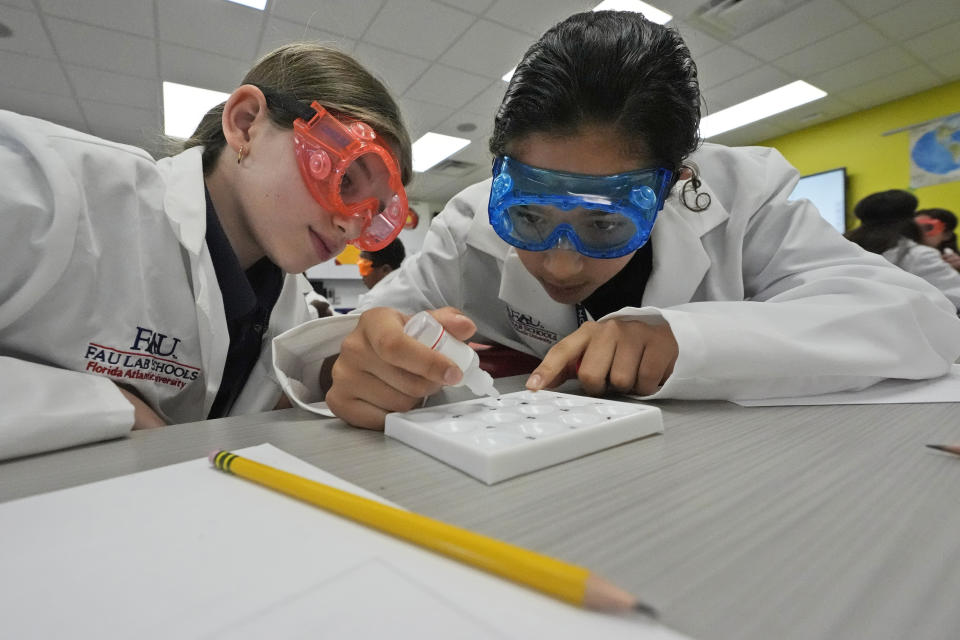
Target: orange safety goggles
[347, 170]
[930, 226]
[364, 266]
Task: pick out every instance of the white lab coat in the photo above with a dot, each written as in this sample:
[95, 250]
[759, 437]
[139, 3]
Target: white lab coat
[927, 263]
[106, 277]
[764, 297]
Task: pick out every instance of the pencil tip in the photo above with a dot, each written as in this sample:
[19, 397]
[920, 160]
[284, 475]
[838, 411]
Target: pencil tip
[645, 609]
[938, 447]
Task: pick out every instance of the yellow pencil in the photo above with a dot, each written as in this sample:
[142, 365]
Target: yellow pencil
[562, 580]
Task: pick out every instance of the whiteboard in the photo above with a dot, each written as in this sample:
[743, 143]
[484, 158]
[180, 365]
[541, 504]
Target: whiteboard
[827, 191]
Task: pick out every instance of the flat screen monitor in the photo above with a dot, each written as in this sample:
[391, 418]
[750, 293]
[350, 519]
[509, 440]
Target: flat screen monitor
[827, 191]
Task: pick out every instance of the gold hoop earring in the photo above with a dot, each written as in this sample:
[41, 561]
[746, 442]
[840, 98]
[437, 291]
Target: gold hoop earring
[240, 154]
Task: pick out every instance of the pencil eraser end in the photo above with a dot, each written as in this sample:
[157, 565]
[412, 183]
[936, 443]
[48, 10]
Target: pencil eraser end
[213, 454]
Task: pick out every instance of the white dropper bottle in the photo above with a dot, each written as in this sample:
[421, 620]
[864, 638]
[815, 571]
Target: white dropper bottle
[424, 328]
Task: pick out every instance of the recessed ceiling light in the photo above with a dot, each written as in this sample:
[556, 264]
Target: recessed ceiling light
[185, 106]
[763, 106]
[649, 12]
[466, 127]
[256, 4]
[431, 148]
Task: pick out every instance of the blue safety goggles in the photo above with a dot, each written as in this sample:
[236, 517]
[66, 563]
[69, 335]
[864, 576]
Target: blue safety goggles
[601, 216]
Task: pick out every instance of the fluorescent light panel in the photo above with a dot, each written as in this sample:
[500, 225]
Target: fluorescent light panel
[763, 106]
[256, 4]
[431, 148]
[649, 12]
[185, 106]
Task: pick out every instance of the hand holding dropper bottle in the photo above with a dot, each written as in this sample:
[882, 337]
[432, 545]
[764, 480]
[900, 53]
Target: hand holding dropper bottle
[424, 328]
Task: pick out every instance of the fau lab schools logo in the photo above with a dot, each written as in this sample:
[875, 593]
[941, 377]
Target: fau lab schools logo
[151, 356]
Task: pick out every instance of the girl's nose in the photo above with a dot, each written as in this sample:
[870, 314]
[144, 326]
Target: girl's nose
[564, 261]
[350, 226]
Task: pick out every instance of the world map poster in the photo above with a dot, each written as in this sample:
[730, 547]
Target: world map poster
[935, 152]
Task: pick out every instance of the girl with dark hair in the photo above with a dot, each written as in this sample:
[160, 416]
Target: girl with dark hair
[735, 292]
[888, 227]
[938, 229]
[136, 293]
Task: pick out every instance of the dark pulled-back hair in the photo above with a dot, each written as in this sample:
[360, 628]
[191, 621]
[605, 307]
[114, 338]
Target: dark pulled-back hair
[886, 217]
[608, 68]
[392, 254]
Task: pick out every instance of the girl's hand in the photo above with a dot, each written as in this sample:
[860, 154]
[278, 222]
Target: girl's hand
[381, 369]
[143, 416]
[952, 259]
[629, 356]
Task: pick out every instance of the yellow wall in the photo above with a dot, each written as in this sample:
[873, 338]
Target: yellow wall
[874, 162]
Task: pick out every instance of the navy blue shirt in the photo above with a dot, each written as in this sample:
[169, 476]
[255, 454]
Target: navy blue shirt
[624, 289]
[248, 299]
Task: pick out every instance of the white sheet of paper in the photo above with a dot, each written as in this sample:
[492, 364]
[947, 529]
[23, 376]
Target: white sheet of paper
[943, 389]
[186, 551]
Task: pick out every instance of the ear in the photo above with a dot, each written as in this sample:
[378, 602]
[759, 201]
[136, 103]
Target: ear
[385, 268]
[245, 107]
[685, 173]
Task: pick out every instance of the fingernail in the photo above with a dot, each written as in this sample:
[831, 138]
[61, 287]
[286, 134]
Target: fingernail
[533, 382]
[451, 375]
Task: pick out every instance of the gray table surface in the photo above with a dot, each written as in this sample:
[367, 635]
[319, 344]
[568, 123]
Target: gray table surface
[737, 523]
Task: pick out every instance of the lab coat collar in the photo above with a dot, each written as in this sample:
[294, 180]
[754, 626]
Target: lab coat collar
[679, 260]
[185, 205]
[184, 200]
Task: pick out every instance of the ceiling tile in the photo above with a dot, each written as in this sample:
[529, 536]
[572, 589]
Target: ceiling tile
[62, 110]
[103, 48]
[831, 52]
[482, 122]
[913, 18]
[749, 85]
[934, 44]
[478, 153]
[106, 119]
[723, 64]
[200, 69]
[807, 24]
[473, 6]
[225, 28]
[427, 186]
[447, 86]
[94, 84]
[29, 36]
[396, 70]
[812, 113]
[347, 17]
[422, 116]
[947, 66]
[869, 8]
[863, 70]
[280, 32]
[418, 27]
[697, 41]
[535, 16]
[488, 101]
[474, 51]
[22, 4]
[33, 74]
[132, 16]
[891, 86]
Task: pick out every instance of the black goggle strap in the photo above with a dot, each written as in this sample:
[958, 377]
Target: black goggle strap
[287, 103]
